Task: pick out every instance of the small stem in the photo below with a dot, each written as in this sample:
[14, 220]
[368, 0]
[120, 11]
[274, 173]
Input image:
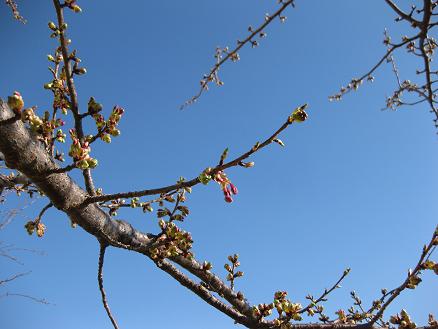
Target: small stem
[194, 181]
[100, 280]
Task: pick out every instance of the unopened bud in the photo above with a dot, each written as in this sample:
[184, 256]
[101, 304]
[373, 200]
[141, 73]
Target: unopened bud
[76, 9]
[52, 26]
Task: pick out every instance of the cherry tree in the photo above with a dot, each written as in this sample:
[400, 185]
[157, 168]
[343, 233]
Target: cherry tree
[31, 146]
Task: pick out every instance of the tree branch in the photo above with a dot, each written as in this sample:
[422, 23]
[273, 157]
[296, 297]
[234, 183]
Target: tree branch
[212, 75]
[72, 91]
[102, 290]
[27, 155]
[427, 250]
[202, 292]
[235, 162]
[38, 300]
[401, 13]
[12, 278]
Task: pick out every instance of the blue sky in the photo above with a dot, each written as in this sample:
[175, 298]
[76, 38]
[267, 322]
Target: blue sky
[354, 187]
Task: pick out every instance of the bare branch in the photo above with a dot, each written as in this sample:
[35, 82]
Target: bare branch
[235, 162]
[12, 278]
[402, 14]
[73, 93]
[326, 292]
[202, 292]
[420, 45]
[102, 291]
[427, 251]
[38, 300]
[14, 8]
[233, 55]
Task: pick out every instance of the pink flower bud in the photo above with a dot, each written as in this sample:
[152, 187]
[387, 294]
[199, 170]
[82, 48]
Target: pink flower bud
[233, 189]
[228, 198]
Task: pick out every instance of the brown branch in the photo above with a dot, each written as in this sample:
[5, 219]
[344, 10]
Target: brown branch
[424, 29]
[12, 278]
[67, 196]
[72, 91]
[202, 292]
[38, 300]
[377, 65]
[424, 255]
[401, 13]
[10, 120]
[213, 72]
[424, 50]
[213, 281]
[68, 168]
[235, 162]
[40, 215]
[14, 8]
[326, 292]
[102, 290]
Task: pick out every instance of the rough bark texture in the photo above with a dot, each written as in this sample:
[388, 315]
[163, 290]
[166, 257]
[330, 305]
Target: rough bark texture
[23, 152]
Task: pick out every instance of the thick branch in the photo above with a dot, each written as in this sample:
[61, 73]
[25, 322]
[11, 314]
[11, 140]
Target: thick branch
[424, 30]
[202, 292]
[23, 152]
[26, 154]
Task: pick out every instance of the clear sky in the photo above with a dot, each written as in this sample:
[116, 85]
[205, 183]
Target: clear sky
[354, 187]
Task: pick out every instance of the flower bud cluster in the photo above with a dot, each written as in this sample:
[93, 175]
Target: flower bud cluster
[80, 152]
[45, 126]
[107, 128]
[173, 242]
[58, 84]
[262, 310]
[206, 266]
[227, 187]
[403, 320]
[16, 102]
[283, 305]
[231, 269]
[413, 281]
[430, 265]
[35, 226]
[299, 115]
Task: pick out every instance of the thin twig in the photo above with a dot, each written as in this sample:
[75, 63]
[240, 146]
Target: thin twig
[14, 8]
[72, 91]
[38, 300]
[427, 250]
[100, 280]
[235, 162]
[401, 13]
[12, 278]
[213, 72]
[326, 292]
